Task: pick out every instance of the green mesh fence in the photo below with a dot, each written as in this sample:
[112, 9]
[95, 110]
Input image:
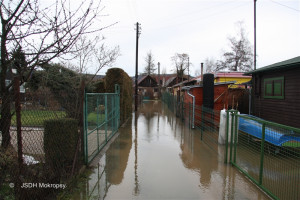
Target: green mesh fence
[269, 154]
[204, 119]
[102, 120]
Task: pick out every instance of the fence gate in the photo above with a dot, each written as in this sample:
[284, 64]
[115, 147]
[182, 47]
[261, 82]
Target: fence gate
[101, 120]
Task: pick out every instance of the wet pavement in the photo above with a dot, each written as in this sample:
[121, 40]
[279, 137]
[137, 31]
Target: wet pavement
[155, 156]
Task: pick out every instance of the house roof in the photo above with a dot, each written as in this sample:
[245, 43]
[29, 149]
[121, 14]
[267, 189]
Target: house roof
[141, 78]
[201, 85]
[231, 75]
[293, 62]
[170, 80]
[223, 75]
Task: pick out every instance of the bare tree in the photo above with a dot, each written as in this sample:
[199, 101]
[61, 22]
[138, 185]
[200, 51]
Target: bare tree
[44, 31]
[209, 66]
[92, 54]
[83, 51]
[180, 62]
[105, 57]
[150, 66]
[240, 57]
[164, 71]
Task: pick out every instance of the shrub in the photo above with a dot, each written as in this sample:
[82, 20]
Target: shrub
[118, 76]
[99, 86]
[8, 172]
[60, 140]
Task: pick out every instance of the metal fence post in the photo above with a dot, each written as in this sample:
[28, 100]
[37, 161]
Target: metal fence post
[189, 115]
[226, 132]
[231, 135]
[97, 107]
[117, 91]
[262, 153]
[85, 125]
[235, 134]
[106, 118]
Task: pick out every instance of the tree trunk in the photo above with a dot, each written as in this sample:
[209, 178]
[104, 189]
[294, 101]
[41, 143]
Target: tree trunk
[5, 120]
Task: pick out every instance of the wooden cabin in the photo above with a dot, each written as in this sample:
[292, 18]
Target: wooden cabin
[220, 90]
[276, 92]
[147, 87]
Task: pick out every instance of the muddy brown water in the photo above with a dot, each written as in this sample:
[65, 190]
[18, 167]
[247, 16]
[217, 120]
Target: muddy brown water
[155, 156]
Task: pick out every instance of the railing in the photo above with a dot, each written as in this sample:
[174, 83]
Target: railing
[101, 120]
[267, 153]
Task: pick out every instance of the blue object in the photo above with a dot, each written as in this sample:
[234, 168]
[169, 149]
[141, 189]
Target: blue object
[276, 137]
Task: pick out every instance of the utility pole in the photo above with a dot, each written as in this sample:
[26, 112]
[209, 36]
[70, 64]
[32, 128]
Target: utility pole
[136, 64]
[158, 64]
[188, 69]
[255, 34]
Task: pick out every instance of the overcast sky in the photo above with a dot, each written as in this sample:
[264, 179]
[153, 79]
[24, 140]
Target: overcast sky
[199, 28]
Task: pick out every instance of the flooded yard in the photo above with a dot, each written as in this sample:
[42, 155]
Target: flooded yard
[155, 156]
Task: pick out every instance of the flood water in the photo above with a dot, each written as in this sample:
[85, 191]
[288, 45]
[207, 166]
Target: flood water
[156, 157]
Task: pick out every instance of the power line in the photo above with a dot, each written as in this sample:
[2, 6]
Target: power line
[199, 18]
[285, 6]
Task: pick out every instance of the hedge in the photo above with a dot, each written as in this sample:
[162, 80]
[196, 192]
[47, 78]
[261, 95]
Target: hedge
[118, 76]
[60, 140]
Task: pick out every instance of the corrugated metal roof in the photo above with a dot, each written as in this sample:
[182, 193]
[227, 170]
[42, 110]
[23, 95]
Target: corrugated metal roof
[280, 65]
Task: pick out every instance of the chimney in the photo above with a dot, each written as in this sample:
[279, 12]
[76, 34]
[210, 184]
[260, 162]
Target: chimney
[201, 71]
[158, 74]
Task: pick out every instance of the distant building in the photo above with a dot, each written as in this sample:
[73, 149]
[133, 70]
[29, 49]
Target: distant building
[150, 86]
[239, 78]
[147, 87]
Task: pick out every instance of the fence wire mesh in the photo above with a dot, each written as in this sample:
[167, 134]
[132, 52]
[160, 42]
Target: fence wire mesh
[102, 119]
[41, 147]
[204, 119]
[269, 154]
[271, 162]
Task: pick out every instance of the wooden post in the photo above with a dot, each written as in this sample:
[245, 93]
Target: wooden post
[19, 133]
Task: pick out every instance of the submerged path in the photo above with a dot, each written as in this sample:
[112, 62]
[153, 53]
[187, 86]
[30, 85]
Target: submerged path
[156, 157]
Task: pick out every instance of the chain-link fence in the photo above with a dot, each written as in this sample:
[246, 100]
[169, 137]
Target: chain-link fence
[41, 147]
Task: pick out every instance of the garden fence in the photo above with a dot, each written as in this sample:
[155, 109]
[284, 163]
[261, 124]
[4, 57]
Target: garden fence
[267, 153]
[204, 119]
[37, 160]
[101, 120]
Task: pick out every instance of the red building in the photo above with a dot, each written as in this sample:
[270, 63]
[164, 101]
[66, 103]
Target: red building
[220, 90]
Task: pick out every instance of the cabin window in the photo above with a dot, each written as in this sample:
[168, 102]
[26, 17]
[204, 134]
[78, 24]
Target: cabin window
[274, 88]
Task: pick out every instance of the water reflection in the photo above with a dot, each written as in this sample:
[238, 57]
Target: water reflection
[117, 156]
[136, 180]
[157, 157]
[149, 112]
[111, 167]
